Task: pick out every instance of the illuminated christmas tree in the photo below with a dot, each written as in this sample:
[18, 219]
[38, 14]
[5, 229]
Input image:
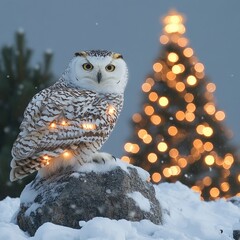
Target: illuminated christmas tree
[179, 135]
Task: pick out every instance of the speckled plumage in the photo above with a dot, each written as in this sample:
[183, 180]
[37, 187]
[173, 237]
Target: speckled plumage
[68, 118]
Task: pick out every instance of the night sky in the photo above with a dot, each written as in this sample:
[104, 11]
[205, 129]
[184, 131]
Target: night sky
[133, 27]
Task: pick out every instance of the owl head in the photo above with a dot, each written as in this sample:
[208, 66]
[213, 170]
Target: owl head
[98, 70]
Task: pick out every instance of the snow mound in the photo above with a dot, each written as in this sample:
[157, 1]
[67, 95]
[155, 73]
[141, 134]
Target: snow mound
[186, 217]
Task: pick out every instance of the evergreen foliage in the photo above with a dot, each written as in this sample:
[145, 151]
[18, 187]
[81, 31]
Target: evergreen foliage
[19, 81]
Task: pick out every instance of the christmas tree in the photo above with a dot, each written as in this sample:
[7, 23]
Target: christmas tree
[19, 81]
[179, 135]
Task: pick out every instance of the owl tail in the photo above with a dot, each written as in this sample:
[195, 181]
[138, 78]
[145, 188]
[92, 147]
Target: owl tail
[22, 168]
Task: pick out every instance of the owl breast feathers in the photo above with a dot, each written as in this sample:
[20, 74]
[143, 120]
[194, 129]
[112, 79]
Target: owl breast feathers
[67, 124]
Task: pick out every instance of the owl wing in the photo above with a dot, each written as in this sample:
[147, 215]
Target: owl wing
[54, 120]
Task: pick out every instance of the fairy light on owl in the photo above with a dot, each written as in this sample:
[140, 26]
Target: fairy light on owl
[67, 123]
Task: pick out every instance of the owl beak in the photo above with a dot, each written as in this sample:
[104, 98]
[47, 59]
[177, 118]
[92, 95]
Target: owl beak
[99, 76]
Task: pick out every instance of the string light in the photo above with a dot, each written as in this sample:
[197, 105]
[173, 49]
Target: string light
[162, 147]
[153, 96]
[53, 125]
[125, 159]
[155, 119]
[188, 52]
[88, 126]
[163, 101]
[173, 57]
[111, 110]
[156, 177]
[152, 157]
[137, 117]
[191, 80]
[146, 87]
[157, 67]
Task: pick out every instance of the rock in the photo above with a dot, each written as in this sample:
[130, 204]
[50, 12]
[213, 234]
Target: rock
[116, 191]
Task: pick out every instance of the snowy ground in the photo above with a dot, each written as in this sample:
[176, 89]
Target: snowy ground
[185, 216]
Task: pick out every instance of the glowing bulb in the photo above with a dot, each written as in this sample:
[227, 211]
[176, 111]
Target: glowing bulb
[88, 126]
[182, 162]
[155, 119]
[191, 80]
[188, 52]
[128, 147]
[142, 133]
[67, 155]
[211, 87]
[210, 108]
[177, 69]
[152, 157]
[163, 101]
[214, 192]
[172, 131]
[46, 159]
[173, 57]
[156, 177]
[207, 131]
[164, 39]
[153, 96]
[137, 117]
[111, 110]
[64, 123]
[199, 67]
[180, 115]
[220, 115]
[157, 67]
[209, 160]
[149, 110]
[188, 97]
[125, 159]
[173, 153]
[53, 125]
[146, 87]
[180, 86]
[162, 147]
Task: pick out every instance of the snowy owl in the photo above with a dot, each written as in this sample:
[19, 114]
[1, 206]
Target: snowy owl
[67, 123]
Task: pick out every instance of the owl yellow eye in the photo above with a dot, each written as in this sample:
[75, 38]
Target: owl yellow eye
[110, 68]
[87, 66]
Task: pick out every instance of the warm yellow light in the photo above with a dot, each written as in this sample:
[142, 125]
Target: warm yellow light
[128, 147]
[208, 146]
[150, 81]
[125, 159]
[210, 108]
[191, 107]
[173, 57]
[162, 147]
[135, 148]
[155, 119]
[146, 87]
[175, 170]
[228, 159]
[173, 23]
[209, 160]
[157, 67]
[170, 76]
[197, 143]
[164, 39]
[188, 97]
[182, 162]
[64, 123]
[163, 101]
[199, 67]
[53, 125]
[147, 138]
[196, 189]
[166, 172]
[149, 110]
[211, 87]
[191, 80]
[153, 96]
[137, 117]
[220, 115]
[142, 133]
[207, 131]
[111, 110]
[46, 159]
[156, 177]
[88, 126]
[225, 186]
[214, 192]
[152, 157]
[67, 155]
[173, 153]
[180, 115]
[180, 86]
[188, 52]
[177, 69]
[238, 177]
[182, 41]
[190, 116]
[207, 181]
[200, 128]
[172, 131]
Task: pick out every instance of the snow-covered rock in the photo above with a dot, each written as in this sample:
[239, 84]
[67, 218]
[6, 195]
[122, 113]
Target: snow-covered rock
[114, 190]
[185, 217]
